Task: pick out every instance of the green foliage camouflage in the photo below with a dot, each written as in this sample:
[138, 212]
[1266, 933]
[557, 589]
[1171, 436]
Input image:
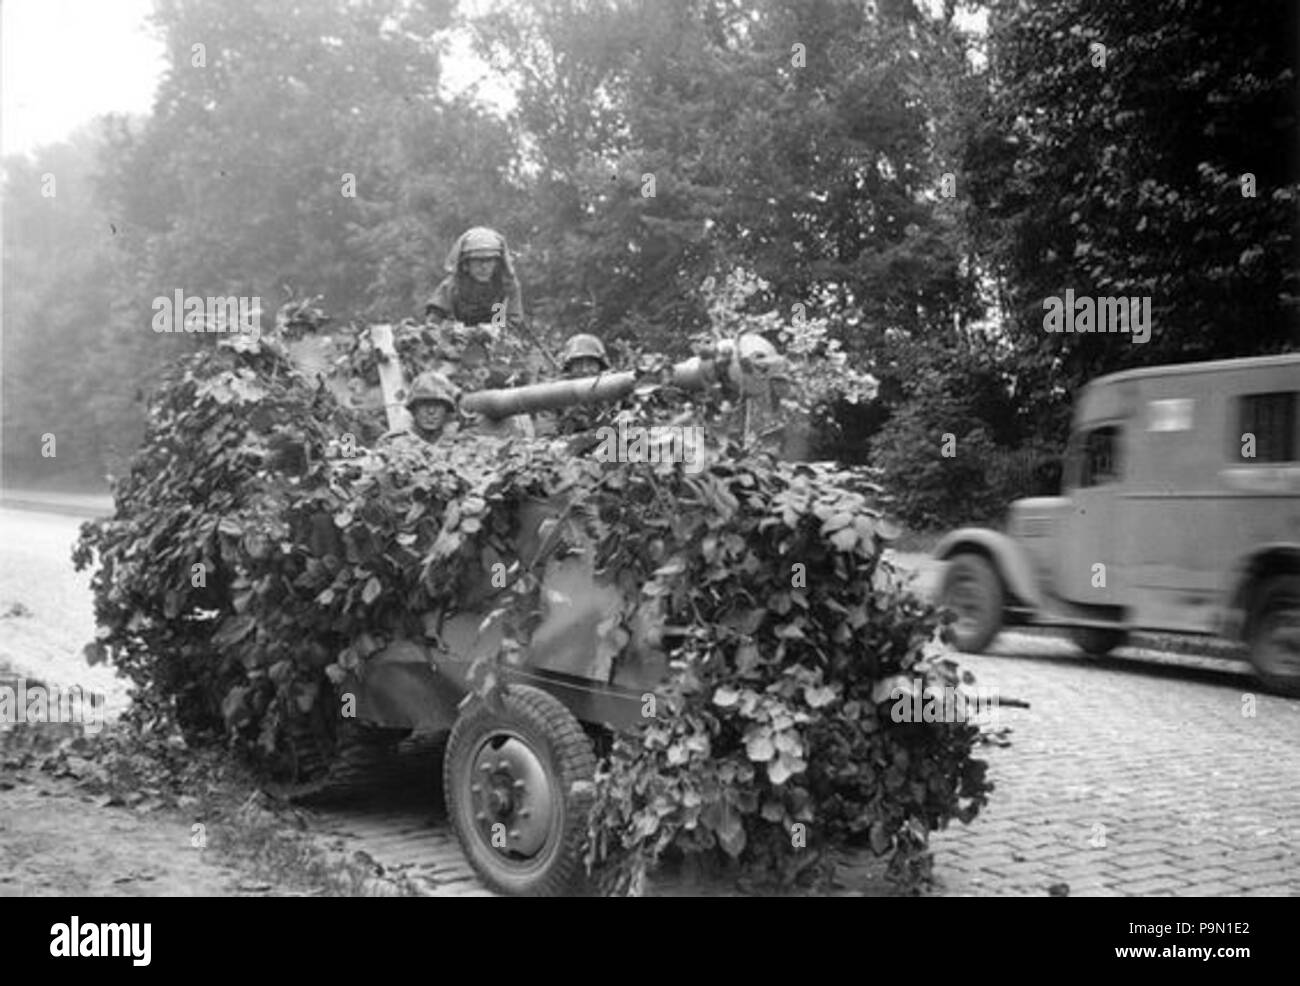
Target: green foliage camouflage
[313, 560]
[775, 747]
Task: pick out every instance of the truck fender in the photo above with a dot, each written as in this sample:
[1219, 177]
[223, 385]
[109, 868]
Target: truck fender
[1008, 560]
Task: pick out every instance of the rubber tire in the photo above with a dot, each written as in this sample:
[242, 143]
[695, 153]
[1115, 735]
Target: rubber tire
[1280, 595]
[1096, 642]
[989, 585]
[566, 753]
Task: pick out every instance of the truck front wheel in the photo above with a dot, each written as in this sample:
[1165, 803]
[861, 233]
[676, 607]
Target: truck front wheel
[972, 588]
[1275, 635]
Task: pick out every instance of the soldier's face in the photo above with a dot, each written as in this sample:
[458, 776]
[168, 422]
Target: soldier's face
[430, 415]
[481, 268]
[584, 366]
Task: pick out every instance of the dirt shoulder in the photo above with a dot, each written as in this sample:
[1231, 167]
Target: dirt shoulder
[112, 816]
[61, 833]
[57, 841]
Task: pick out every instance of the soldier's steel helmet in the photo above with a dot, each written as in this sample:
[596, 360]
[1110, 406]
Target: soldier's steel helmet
[432, 386]
[481, 242]
[584, 345]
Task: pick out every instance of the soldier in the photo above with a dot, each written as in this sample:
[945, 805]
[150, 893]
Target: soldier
[480, 287]
[481, 293]
[584, 356]
[432, 405]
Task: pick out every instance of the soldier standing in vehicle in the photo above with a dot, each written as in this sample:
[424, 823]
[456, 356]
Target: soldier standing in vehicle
[480, 292]
[480, 287]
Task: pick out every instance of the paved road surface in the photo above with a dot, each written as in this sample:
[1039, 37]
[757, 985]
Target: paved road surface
[1143, 773]
[1128, 776]
[46, 611]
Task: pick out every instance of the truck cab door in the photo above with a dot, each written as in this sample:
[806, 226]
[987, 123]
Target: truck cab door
[1089, 532]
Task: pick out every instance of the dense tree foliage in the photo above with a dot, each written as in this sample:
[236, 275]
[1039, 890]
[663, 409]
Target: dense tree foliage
[1140, 150]
[75, 354]
[921, 186]
[675, 140]
[307, 146]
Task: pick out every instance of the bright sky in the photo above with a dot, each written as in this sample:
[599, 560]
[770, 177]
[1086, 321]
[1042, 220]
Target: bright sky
[63, 62]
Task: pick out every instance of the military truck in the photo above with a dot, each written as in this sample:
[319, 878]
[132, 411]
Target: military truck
[1180, 513]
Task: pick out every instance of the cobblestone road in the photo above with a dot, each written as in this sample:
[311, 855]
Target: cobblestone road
[1133, 775]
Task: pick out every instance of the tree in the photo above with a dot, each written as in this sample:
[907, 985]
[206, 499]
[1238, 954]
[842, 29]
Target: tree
[1139, 150]
[71, 367]
[672, 140]
[309, 147]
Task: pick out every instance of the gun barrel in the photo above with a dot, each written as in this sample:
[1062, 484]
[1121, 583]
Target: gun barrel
[692, 374]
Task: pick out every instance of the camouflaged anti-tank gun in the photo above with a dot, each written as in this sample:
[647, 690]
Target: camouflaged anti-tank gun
[517, 771]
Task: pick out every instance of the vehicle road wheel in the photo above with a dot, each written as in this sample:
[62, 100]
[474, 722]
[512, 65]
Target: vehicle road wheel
[1096, 641]
[518, 786]
[1275, 635]
[973, 589]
